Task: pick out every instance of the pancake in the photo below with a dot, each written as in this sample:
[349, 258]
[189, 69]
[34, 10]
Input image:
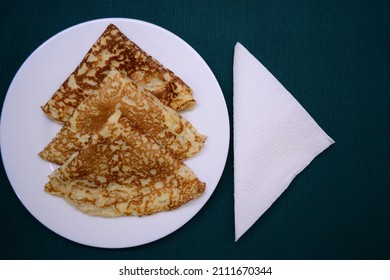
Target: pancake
[121, 172]
[114, 49]
[144, 111]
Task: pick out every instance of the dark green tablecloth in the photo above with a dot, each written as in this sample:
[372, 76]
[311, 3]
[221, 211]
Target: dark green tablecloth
[333, 56]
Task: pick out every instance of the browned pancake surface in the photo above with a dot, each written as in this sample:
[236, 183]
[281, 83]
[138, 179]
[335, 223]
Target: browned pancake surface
[143, 110]
[123, 172]
[114, 49]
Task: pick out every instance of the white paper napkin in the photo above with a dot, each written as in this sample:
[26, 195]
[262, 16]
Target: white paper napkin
[274, 139]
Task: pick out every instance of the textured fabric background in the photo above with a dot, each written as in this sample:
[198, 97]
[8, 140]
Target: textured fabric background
[333, 56]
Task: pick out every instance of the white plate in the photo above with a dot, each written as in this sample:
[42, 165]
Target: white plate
[25, 131]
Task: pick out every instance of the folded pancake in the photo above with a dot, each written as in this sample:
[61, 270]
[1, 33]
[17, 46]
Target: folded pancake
[114, 49]
[144, 111]
[122, 172]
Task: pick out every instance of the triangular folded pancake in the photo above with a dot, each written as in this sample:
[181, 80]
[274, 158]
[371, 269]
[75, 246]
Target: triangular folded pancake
[144, 111]
[122, 172]
[114, 49]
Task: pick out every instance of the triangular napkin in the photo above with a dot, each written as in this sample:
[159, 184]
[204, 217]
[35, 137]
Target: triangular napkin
[274, 139]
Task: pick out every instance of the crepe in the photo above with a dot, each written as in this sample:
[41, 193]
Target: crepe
[144, 111]
[114, 49]
[122, 172]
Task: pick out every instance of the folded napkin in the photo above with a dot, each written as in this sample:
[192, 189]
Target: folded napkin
[274, 139]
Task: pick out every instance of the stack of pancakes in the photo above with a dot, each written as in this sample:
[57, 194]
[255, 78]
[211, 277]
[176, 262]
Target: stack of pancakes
[123, 143]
